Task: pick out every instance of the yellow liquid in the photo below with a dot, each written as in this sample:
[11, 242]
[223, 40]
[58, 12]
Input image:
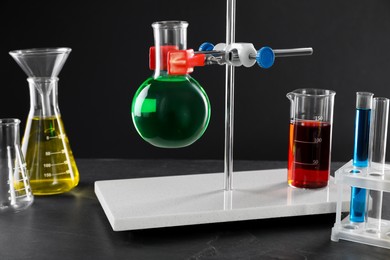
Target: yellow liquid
[50, 162]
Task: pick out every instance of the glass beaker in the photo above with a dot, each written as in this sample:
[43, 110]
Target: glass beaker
[169, 111]
[310, 138]
[15, 190]
[45, 145]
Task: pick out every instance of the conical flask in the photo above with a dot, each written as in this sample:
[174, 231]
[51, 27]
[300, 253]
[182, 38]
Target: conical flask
[15, 190]
[49, 158]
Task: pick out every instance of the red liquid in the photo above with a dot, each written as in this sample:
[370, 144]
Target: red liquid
[309, 154]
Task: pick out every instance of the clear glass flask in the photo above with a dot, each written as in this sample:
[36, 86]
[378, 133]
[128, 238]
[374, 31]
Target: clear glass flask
[50, 162]
[170, 111]
[15, 190]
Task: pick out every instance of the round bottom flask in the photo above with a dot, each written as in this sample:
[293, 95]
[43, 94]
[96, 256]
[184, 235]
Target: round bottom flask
[170, 111]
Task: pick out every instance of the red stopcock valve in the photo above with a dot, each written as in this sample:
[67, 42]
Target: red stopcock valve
[181, 62]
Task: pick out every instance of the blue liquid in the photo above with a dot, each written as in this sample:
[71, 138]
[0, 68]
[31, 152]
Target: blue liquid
[360, 159]
[358, 204]
[362, 135]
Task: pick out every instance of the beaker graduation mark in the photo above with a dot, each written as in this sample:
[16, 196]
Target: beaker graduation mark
[51, 153]
[48, 165]
[60, 136]
[49, 174]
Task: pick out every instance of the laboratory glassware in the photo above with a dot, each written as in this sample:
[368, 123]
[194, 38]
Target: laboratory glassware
[360, 153]
[50, 161]
[310, 137]
[378, 133]
[362, 128]
[15, 190]
[377, 159]
[169, 111]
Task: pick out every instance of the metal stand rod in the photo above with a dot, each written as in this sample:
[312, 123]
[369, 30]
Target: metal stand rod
[293, 52]
[279, 53]
[229, 97]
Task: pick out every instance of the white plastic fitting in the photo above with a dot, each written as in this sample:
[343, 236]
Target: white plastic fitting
[220, 47]
[244, 52]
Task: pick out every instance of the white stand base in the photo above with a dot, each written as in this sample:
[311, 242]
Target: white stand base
[143, 203]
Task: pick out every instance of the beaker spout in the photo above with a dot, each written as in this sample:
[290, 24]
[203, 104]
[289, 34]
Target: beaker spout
[41, 62]
[290, 96]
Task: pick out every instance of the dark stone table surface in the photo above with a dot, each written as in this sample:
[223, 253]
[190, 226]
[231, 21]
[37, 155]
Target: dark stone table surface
[73, 225]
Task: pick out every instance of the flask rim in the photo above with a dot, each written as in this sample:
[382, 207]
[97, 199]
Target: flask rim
[9, 121]
[312, 92]
[175, 24]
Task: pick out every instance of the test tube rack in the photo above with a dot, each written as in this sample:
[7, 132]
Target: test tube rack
[374, 231]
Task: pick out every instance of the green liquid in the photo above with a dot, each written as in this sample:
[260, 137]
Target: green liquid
[171, 111]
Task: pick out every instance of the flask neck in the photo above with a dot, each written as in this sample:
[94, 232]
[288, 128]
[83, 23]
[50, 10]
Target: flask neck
[168, 35]
[43, 96]
[9, 135]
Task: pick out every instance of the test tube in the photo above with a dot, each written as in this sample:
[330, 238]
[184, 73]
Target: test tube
[360, 155]
[377, 158]
[378, 138]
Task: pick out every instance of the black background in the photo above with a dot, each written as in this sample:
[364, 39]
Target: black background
[109, 60]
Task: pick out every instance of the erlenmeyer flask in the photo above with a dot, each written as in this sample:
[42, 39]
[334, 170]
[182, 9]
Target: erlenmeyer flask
[15, 190]
[45, 145]
[170, 111]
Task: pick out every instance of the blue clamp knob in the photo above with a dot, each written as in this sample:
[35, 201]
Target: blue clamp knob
[265, 57]
[206, 46]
